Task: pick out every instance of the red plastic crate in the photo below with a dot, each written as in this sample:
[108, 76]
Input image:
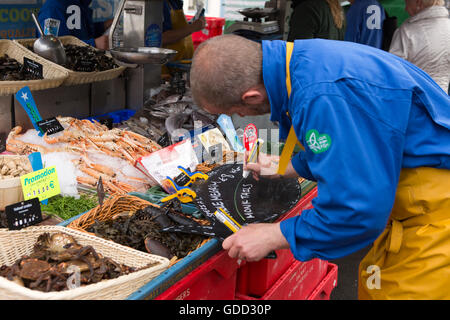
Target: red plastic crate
[326, 286]
[297, 283]
[213, 280]
[214, 27]
[255, 278]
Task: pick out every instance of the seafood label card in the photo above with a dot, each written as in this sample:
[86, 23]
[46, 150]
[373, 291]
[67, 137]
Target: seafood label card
[50, 126]
[33, 67]
[23, 214]
[43, 184]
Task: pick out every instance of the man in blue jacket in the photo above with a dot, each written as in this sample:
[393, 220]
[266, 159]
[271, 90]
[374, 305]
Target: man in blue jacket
[74, 17]
[365, 23]
[375, 132]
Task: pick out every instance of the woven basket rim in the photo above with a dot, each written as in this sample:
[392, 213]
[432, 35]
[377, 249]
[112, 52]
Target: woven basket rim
[57, 73]
[162, 264]
[74, 40]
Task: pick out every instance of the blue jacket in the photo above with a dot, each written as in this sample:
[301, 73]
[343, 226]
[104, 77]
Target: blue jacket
[365, 23]
[362, 115]
[57, 9]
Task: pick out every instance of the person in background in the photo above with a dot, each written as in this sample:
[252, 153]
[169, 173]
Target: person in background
[74, 17]
[375, 136]
[316, 19]
[177, 31]
[365, 23]
[424, 39]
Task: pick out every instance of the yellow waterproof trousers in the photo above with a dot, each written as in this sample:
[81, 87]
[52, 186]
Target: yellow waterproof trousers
[411, 258]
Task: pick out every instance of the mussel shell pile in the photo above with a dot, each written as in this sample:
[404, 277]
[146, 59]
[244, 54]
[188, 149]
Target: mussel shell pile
[52, 263]
[12, 70]
[87, 59]
[142, 231]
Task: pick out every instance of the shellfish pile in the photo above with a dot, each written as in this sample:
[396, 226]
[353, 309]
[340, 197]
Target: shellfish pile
[141, 230]
[12, 167]
[55, 258]
[12, 70]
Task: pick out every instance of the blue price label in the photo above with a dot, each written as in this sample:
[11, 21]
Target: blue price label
[25, 98]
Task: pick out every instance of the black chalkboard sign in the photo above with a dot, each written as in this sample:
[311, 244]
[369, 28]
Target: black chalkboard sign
[50, 126]
[23, 214]
[245, 199]
[31, 66]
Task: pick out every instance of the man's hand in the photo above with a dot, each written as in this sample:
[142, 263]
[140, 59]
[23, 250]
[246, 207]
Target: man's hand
[198, 24]
[255, 241]
[267, 166]
[102, 42]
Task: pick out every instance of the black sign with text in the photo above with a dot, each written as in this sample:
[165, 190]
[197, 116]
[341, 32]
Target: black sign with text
[50, 126]
[23, 214]
[33, 67]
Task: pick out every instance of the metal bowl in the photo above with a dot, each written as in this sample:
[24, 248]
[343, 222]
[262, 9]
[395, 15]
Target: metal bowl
[143, 55]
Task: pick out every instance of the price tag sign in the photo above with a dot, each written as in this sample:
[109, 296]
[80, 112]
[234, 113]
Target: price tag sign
[33, 67]
[43, 184]
[50, 126]
[23, 214]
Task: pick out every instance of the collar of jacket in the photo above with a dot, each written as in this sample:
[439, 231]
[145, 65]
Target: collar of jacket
[431, 12]
[274, 77]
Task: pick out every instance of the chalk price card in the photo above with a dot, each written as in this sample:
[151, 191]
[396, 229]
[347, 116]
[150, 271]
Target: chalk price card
[23, 214]
[42, 184]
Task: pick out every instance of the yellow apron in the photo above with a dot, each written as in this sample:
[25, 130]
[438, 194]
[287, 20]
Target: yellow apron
[185, 46]
[411, 258]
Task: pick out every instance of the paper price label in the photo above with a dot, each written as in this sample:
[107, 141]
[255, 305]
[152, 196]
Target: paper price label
[43, 184]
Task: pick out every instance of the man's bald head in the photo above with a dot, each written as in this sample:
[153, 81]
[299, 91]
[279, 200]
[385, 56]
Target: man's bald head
[223, 69]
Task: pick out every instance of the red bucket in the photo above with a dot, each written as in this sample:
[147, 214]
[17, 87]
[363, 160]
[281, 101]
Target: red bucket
[214, 27]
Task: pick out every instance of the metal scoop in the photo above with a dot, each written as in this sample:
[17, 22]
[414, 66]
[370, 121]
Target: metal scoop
[48, 46]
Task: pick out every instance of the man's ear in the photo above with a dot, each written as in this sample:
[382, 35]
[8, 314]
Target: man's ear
[253, 96]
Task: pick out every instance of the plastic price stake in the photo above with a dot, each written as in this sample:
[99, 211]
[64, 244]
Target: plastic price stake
[25, 98]
[36, 163]
[100, 191]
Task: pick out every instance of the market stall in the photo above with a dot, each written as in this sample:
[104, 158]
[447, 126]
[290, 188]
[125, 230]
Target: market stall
[105, 202]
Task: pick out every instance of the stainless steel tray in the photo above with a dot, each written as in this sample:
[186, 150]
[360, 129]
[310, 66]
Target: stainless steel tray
[143, 55]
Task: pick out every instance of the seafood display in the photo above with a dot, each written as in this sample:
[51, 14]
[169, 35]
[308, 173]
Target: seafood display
[95, 151]
[53, 261]
[85, 59]
[13, 167]
[12, 70]
[141, 230]
[166, 112]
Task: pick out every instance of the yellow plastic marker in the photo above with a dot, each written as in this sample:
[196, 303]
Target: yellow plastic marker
[227, 220]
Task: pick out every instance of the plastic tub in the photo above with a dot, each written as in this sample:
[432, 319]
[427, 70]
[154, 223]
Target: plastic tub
[297, 283]
[255, 278]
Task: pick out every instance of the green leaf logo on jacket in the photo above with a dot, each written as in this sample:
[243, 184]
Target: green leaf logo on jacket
[317, 142]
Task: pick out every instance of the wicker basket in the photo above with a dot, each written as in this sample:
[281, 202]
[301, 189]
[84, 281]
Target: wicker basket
[109, 209]
[15, 244]
[75, 77]
[54, 75]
